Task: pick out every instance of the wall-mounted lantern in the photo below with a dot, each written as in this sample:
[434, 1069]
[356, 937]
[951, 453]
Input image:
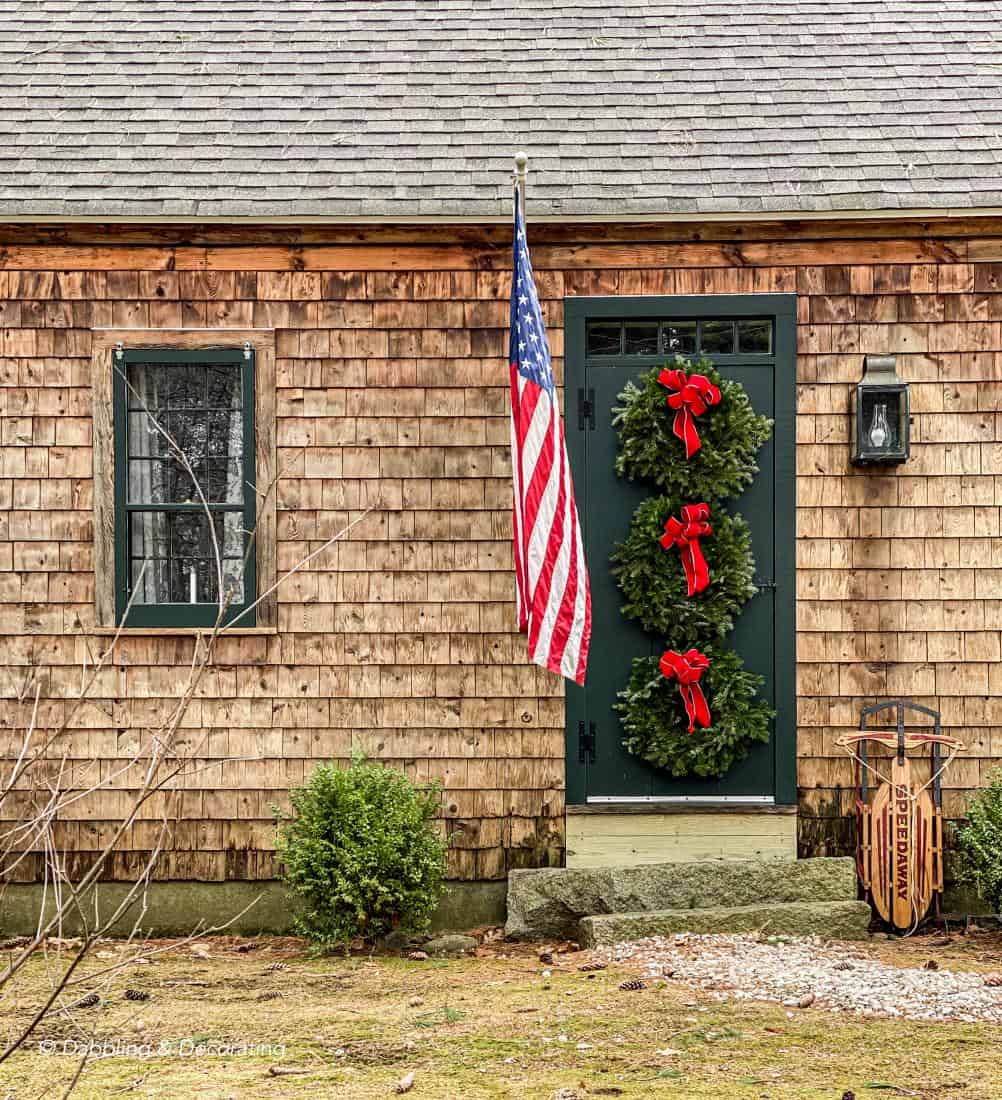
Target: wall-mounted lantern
[880, 415]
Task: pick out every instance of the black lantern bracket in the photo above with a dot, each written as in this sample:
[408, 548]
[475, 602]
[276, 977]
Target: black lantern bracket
[880, 415]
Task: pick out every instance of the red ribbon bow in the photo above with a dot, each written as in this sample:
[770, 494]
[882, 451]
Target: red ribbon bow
[687, 668]
[686, 535]
[694, 394]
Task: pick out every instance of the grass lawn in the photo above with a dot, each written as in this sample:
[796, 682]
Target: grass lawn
[485, 1027]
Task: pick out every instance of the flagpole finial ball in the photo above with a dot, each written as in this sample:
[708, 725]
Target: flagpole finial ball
[521, 160]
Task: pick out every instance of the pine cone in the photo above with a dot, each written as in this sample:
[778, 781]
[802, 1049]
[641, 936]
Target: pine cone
[136, 995]
[994, 981]
[931, 965]
[632, 985]
[587, 968]
[843, 966]
[277, 966]
[89, 1001]
[546, 957]
[268, 995]
[417, 956]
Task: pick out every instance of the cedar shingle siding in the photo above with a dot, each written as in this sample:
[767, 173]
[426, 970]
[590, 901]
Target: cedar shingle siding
[391, 386]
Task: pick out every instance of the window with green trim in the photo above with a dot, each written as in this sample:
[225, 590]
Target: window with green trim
[185, 505]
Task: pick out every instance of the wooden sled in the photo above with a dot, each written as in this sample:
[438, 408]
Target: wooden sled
[899, 826]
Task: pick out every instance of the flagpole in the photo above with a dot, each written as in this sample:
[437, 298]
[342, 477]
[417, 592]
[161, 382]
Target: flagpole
[518, 178]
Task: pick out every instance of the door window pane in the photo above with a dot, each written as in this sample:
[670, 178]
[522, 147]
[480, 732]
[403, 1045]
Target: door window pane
[641, 338]
[604, 338]
[678, 337]
[755, 336]
[716, 337]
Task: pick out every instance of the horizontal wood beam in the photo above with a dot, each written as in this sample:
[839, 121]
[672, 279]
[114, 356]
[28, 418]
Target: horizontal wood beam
[471, 258]
[164, 234]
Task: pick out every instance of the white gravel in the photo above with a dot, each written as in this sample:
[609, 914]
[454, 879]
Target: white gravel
[791, 970]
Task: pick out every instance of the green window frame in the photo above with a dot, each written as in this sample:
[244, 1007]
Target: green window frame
[182, 614]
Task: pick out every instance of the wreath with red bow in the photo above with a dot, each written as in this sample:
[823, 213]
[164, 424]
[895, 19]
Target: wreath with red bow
[686, 568]
[730, 433]
[654, 578]
[656, 720]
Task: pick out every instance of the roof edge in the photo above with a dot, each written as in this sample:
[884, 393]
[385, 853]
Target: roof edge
[896, 214]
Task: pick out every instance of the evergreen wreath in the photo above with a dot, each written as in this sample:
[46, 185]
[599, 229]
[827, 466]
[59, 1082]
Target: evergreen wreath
[653, 582]
[656, 725]
[731, 434]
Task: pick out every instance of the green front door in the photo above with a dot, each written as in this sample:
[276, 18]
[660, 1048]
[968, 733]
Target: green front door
[751, 338]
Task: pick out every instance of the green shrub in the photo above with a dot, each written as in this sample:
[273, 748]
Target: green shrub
[360, 853]
[980, 841]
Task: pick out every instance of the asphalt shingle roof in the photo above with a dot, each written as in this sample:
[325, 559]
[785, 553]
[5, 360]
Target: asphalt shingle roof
[414, 108]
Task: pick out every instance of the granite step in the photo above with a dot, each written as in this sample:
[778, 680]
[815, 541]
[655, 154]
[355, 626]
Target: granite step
[548, 903]
[836, 920]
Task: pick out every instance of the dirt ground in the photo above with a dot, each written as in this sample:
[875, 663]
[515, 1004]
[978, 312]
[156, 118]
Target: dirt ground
[232, 1017]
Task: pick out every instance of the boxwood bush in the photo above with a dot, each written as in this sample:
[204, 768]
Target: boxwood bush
[980, 842]
[360, 853]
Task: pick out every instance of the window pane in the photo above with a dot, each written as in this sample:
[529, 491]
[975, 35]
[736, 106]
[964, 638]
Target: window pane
[149, 580]
[176, 549]
[148, 534]
[210, 441]
[678, 337]
[755, 336]
[222, 387]
[716, 337]
[225, 434]
[144, 438]
[641, 338]
[604, 338]
[159, 387]
[224, 483]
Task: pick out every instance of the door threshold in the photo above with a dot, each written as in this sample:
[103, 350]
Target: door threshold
[687, 799]
[682, 804]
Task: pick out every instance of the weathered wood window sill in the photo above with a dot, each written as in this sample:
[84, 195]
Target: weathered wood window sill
[190, 631]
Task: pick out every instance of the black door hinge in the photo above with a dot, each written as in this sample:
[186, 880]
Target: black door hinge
[586, 743]
[586, 409]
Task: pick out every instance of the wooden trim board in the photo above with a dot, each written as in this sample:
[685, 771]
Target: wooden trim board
[629, 840]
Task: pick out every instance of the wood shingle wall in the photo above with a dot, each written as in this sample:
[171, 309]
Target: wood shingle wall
[391, 375]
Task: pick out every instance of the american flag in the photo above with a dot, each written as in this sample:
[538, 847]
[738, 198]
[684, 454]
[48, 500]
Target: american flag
[554, 601]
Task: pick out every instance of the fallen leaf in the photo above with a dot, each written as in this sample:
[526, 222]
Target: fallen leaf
[285, 1071]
